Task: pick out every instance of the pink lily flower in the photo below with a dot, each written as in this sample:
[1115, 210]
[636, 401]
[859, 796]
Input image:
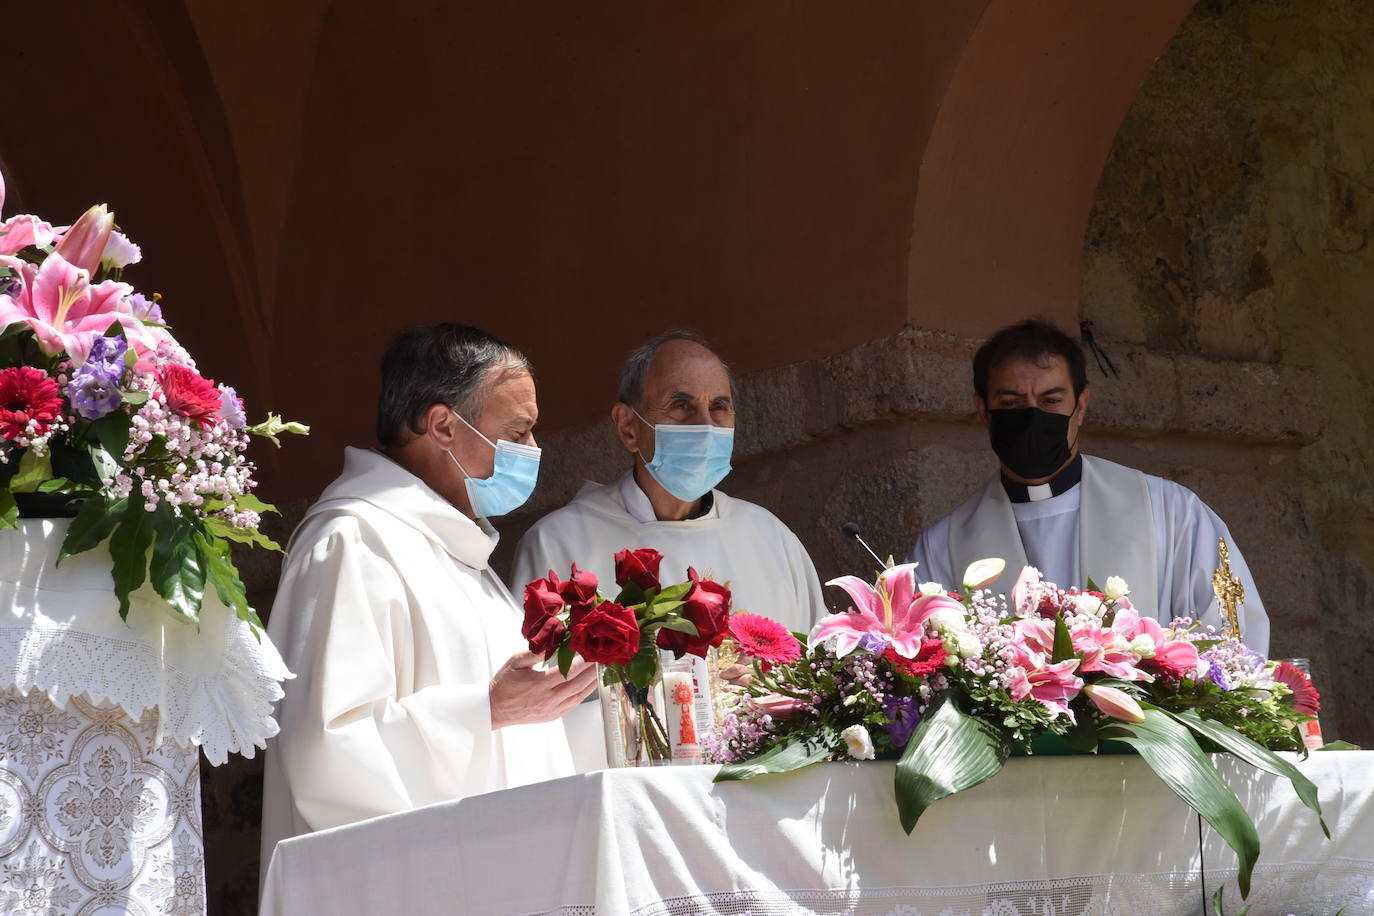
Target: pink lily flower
[982, 573]
[84, 243]
[1051, 685]
[1025, 594]
[894, 611]
[775, 704]
[19, 232]
[1035, 634]
[1176, 657]
[1107, 651]
[65, 311]
[1115, 703]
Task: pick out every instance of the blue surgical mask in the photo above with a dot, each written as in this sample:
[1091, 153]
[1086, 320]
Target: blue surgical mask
[690, 460]
[511, 481]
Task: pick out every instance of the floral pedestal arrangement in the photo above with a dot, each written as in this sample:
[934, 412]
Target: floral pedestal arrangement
[127, 644]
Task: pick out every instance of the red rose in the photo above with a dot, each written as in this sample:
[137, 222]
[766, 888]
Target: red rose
[707, 605]
[547, 638]
[606, 633]
[27, 395]
[638, 566]
[580, 588]
[542, 627]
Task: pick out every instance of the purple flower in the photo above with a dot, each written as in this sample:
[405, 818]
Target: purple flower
[94, 390]
[146, 309]
[904, 716]
[231, 408]
[1216, 675]
[873, 643]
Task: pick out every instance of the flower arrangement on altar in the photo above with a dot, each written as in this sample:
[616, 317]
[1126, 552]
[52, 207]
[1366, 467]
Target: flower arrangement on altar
[104, 415]
[951, 683]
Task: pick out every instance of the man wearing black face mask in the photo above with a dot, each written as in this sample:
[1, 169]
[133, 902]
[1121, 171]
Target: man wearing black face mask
[1074, 516]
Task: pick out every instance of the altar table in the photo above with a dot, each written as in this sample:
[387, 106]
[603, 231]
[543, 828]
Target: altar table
[1049, 836]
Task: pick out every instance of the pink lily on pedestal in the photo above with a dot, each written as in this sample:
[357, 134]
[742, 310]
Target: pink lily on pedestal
[65, 311]
[893, 611]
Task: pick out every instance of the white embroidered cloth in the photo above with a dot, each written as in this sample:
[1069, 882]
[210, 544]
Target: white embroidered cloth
[1059, 836]
[60, 633]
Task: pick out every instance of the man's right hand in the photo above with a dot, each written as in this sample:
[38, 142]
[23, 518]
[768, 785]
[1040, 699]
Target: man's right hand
[522, 694]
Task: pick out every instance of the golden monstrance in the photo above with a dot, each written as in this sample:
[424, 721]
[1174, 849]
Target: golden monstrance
[1230, 591]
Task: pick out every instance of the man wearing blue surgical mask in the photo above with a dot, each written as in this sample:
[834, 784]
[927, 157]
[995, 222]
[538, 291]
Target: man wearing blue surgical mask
[413, 684]
[675, 416]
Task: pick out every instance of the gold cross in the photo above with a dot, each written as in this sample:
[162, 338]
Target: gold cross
[1230, 591]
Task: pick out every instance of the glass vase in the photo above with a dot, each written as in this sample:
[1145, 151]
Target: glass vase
[636, 735]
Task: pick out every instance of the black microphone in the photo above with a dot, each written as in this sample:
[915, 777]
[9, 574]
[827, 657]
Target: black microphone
[851, 530]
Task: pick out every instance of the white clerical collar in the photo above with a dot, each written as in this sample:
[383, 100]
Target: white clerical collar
[641, 510]
[1062, 482]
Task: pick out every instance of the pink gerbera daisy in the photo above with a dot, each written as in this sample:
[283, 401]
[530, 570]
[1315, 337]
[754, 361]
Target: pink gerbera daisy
[1305, 700]
[764, 639]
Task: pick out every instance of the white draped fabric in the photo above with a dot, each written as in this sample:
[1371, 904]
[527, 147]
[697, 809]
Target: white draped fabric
[100, 721]
[395, 625]
[737, 542]
[1069, 836]
[1064, 539]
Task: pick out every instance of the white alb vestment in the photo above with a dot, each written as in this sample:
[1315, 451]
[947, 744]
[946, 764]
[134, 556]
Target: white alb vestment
[768, 570]
[1101, 527]
[394, 625]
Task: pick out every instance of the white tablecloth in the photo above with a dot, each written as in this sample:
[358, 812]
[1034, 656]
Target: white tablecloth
[1061, 836]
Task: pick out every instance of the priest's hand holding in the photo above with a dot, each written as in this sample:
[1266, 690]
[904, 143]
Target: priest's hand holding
[523, 694]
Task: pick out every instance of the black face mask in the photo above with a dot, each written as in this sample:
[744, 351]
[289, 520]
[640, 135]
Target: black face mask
[1031, 442]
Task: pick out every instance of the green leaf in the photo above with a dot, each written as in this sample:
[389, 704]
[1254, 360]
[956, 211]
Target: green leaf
[113, 432]
[1092, 586]
[9, 510]
[1257, 756]
[75, 463]
[1063, 642]
[1172, 752]
[1339, 746]
[224, 576]
[177, 570]
[680, 624]
[666, 607]
[252, 503]
[565, 659]
[275, 425]
[792, 754]
[950, 751]
[129, 549]
[33, 470]
[643, 666]
[134, 397]
[252, 536]
[92, 525]
[58, 485]
[674, 592]
[630, 595]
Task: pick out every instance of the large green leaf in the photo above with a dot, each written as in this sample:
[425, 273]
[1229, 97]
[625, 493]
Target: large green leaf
[251, 536]
[129, 549]
[1172, 752]
[789, 755]
[1257, 756]
[222, 574]
[950, 751]
[177, 570]
[93, 524]
[33, 470]
[1063, 642]
[9, 510]
[113, 432]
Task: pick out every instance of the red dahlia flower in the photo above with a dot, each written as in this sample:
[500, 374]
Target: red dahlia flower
[185, 392]
[27, 394]
[764, 639]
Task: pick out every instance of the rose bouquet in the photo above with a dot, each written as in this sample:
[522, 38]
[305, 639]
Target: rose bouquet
[950, 683]
[624, 636]
[105, 416]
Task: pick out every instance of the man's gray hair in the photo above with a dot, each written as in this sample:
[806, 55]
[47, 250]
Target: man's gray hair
[631, 389]
[440, 364]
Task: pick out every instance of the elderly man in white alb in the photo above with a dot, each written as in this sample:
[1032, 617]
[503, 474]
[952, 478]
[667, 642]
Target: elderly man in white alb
[676, 416]
[413, 683]
[1073, 516]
